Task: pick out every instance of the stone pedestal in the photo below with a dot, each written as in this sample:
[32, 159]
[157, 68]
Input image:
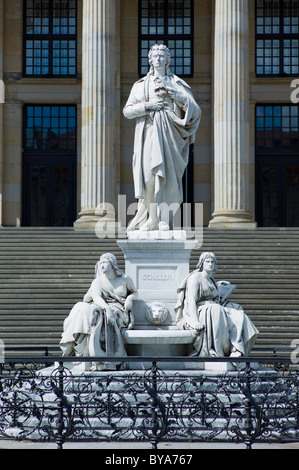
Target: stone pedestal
[159, 343]
[157, 268]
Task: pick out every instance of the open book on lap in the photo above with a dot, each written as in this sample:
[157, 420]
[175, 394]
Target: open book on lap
[225, 289]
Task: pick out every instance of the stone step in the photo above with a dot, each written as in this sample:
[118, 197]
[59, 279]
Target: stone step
[43, 272]
[61, 292]
[74, 284]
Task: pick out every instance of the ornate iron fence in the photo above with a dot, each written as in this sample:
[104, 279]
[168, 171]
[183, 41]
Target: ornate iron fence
[43, 398]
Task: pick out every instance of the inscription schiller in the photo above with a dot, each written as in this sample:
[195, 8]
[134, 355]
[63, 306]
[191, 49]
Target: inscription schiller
[155, 278]
[158, 277]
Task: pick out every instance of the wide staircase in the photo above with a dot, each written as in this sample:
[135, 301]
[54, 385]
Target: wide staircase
[44, 272]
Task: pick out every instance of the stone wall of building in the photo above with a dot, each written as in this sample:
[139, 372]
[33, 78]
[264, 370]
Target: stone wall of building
[20, 91]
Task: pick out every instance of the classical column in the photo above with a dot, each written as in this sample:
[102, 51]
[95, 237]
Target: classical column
[2, 100]
[231, 116]
[99, 111]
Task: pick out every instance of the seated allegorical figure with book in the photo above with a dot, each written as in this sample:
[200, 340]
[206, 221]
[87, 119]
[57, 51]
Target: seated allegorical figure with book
[222, 328]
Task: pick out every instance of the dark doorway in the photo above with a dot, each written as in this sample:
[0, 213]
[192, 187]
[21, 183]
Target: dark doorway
[278, 192]
[277, 165]
[49, 191]
[49, 166]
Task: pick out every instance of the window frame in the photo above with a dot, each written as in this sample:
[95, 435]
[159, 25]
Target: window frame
[273, 150]
[50, 37]
[281, 37]
[166, 38]
[49, 151]
[277, 157]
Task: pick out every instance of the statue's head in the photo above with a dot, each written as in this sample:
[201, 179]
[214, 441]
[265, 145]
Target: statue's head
[113, 262]
[165, 50]
[156, 313]
[203, 257]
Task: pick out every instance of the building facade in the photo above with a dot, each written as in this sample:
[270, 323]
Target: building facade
[66, 71]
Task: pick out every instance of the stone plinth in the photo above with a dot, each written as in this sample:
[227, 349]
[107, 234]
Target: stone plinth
[158, 235]
[157, 267]
[160, 342]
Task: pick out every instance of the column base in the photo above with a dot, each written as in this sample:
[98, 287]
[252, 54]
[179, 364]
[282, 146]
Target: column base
[86, 223]
[239, 220]
[103, 226]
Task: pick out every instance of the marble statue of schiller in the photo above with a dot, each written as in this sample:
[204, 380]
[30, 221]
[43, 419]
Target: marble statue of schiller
[167, 118]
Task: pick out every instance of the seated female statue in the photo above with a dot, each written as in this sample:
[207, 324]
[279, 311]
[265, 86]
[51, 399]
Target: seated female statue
[107, 307]
[221, 329]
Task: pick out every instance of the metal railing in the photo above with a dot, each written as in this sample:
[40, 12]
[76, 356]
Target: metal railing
[44, 398]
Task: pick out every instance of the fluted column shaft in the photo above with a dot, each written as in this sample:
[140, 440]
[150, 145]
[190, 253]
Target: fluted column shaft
[231, 114]
[99, 108]
[2, 99]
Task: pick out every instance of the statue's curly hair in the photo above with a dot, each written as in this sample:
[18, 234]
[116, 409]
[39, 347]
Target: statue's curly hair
[168, 55]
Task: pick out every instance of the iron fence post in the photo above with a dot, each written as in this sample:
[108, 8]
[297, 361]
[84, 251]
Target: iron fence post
[155, 422]
[248, 419]
[60, 423]
[297, 401]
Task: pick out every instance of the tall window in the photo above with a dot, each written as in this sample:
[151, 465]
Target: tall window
[50, 33]
[168, 22]
[50, 128]
[277, 37]
[49, 165]
[277, 128]
[277, 165]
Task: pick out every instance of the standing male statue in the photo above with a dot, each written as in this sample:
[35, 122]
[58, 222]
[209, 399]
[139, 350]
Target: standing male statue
[167, 119]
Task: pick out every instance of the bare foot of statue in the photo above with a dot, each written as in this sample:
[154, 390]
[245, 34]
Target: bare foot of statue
[163, 226]
[235, 353]
[149, 225]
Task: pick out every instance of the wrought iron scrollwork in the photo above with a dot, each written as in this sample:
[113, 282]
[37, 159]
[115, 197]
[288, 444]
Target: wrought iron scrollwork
[58, 404]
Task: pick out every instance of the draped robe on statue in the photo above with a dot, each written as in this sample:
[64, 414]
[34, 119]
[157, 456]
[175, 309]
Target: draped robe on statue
[163, 137]
[224, 327]
[87, 318]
